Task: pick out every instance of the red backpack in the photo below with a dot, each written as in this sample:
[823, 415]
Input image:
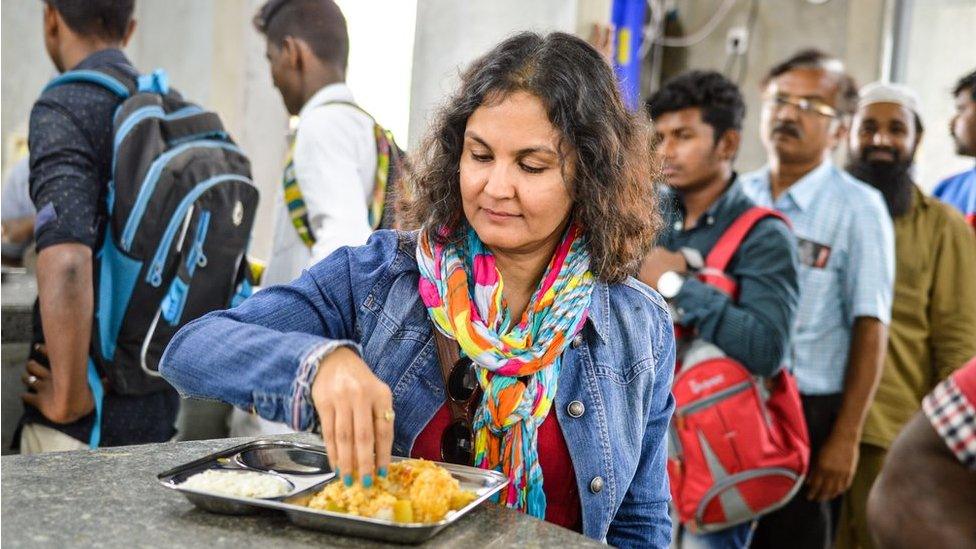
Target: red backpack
[738, 445]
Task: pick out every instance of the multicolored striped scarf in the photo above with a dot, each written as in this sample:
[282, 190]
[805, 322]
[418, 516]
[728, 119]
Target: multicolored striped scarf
[518, 364]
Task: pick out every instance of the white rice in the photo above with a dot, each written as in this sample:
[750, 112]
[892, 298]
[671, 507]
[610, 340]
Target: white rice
[247, 484]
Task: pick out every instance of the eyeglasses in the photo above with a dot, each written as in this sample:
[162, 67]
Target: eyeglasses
[464, 392]
[803, 104]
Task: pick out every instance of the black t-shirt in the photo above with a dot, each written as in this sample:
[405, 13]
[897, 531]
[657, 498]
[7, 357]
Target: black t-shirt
[70, 142]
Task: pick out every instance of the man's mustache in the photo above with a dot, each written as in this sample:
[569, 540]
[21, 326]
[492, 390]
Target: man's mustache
[787, 128]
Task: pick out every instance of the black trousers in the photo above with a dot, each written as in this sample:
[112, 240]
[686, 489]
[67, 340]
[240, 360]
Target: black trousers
[802, 524]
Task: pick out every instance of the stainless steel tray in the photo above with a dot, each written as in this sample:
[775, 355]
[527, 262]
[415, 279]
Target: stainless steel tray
[306, 467]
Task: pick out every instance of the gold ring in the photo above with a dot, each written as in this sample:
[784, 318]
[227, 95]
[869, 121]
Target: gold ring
[389, 415]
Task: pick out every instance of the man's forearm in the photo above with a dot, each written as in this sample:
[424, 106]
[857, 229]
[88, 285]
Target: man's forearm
[924, 497]
[869, 340]
[66, 295]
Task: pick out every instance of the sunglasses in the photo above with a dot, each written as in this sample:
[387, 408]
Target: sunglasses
[464, 394]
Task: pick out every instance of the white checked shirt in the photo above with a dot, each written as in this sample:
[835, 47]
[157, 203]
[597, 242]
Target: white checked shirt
[847, 266]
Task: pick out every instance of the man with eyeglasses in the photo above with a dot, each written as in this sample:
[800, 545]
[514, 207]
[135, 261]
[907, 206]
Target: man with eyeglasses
[846, 245]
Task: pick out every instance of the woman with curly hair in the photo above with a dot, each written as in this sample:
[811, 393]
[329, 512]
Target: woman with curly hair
[533, 201]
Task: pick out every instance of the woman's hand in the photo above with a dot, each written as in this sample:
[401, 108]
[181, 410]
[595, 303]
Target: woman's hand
[355, 411]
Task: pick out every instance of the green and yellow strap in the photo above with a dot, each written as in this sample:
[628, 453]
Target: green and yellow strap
[297, 209]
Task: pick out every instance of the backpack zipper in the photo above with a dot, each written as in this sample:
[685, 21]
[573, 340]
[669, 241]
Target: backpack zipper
[175, 299]
[713, 398]
[152, 178]
[154, 274]
[195, 257]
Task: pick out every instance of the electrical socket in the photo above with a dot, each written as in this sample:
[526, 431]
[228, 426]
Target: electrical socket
[737, 41]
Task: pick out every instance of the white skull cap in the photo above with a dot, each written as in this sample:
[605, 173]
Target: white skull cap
[888, 92]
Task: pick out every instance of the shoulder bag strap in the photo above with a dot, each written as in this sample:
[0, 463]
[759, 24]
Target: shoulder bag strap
[448, 354]
[720, 255]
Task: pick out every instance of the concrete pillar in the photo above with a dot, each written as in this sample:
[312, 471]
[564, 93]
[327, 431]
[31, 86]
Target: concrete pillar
[451, 34]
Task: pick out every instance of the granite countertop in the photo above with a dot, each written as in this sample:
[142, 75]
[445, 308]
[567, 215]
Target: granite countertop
[110, 498]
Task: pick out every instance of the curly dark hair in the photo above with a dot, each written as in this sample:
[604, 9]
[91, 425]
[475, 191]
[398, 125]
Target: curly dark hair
[610, 149]
[813, 58]
[967, 82]
[718, 98]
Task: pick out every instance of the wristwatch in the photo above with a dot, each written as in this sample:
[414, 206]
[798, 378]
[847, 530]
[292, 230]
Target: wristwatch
[669, 284]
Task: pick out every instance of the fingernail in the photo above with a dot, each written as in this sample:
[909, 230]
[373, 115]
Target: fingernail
[347, 480]
[367, 481]
[381, 472]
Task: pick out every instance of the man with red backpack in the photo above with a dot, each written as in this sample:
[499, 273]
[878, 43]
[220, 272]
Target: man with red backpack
[698, 120]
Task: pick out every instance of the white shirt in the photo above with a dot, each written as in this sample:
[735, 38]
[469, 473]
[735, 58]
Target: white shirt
[335, 166]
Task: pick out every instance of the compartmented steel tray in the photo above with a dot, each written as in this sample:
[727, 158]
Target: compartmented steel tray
[306, 469]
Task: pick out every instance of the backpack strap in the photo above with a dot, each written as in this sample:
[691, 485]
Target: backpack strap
[294, 201]
[728, 244]
[387, 163]
[98, 78]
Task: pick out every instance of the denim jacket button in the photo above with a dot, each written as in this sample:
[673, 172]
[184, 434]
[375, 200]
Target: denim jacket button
[577, 341]
[575, 409]
[596, 485]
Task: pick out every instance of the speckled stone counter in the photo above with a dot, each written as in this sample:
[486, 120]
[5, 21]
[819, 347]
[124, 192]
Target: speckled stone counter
[110, 498]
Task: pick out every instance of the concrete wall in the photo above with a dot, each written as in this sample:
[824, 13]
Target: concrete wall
[849, 29]
[25, 70]
[938, 47]
[941, 50]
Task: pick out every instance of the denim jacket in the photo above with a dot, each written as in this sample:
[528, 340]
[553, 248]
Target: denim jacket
[261, 356]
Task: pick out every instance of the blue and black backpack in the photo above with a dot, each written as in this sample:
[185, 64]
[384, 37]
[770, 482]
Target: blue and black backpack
[181, 205]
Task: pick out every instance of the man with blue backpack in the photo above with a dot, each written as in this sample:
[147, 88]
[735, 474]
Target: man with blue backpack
[129, 181]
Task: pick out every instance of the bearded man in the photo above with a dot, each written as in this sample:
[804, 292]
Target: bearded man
[933, 323]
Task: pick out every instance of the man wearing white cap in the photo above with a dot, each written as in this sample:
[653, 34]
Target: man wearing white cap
[933, 323]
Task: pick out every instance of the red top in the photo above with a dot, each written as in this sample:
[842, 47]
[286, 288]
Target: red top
[559, 479]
